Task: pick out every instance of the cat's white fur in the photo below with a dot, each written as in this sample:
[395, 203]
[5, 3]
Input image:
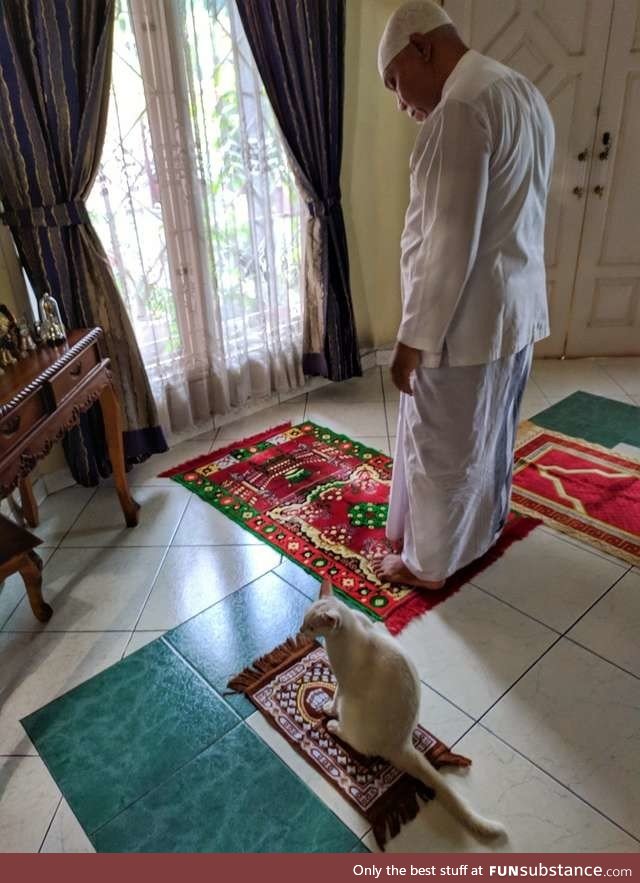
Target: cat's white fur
[377, 701]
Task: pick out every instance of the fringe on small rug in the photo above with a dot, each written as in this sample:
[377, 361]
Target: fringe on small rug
[270, 665]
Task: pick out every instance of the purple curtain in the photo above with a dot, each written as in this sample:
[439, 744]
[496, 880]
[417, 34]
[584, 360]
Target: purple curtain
[55, 72]
[298, 48]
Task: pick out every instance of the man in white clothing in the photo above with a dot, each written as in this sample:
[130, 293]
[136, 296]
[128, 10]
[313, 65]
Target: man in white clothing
[473, 290]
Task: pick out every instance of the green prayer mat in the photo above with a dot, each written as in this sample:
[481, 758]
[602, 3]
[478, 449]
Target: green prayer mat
[593, 418]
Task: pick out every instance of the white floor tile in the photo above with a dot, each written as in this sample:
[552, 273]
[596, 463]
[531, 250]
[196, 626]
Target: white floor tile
[13, 590]
[558, 379]
[147, 473]
[65, 833]
[59, 511]
[102, 522]
[93, 590]
[38, 668]
[367, 388]
[442, 718]
[267, 419]
[28, 799]
[538, 813]
[577, 717]
[625, 371]
[379, 442]
[532, 403]
[391, 392]
[140, 640]
[354, 420]
[583, 546]
[612, 627]
[392, 409]
[193, 578]
[473, 647]
[628, 450]
[549, 579]
[202, 525]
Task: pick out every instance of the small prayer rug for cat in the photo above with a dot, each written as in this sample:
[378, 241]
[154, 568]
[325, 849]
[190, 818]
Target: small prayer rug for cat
[290, 687]
[580, 489]
[321, 499]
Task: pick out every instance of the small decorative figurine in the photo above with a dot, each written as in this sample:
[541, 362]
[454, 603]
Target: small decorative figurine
[51, 330]
[25, 341]
[8, 338]
[37, 333]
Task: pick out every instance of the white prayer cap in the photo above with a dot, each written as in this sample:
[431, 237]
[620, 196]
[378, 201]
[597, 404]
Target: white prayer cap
[414, 17]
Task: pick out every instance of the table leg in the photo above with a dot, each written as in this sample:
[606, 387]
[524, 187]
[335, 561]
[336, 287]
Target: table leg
[31, 572]
[113, 430]
[28, 501]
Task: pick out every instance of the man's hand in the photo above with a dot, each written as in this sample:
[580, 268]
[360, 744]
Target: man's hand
[404, 362]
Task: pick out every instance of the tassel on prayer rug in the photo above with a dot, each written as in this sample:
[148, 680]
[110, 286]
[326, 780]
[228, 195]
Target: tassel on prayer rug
[580, 489]
[290, 687]
[321, 499]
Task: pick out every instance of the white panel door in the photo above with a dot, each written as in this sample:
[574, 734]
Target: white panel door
[561, 46]
[605, 317]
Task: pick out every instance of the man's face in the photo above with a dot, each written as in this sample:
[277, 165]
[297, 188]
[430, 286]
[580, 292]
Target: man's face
[411, 77]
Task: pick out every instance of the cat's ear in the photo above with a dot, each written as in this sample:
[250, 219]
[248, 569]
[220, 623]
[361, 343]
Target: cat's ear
[326, 590]
[330, 619]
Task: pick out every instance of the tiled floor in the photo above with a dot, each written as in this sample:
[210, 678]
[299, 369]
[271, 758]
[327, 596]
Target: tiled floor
[534, 671]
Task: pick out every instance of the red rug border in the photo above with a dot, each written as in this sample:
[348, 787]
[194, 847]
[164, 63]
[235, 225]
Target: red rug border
[203, 459]
[516, 529]
[571, 524]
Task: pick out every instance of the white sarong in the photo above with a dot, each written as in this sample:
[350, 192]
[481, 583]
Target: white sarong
[453, 465]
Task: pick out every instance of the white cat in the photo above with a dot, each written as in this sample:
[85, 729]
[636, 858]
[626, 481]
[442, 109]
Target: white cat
[377, 701]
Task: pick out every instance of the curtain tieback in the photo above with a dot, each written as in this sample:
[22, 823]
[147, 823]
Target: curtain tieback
[320, 208]
[64, 214]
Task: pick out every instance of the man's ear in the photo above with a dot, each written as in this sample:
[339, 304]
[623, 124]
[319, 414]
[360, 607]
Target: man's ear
[326, 591]
[423, 44]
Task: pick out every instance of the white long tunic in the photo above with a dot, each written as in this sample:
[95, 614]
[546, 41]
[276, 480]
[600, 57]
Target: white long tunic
[474, 302]
[452, 471]
[473, 275]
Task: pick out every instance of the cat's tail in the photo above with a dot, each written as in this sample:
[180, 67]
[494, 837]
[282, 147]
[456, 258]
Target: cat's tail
[414, 763]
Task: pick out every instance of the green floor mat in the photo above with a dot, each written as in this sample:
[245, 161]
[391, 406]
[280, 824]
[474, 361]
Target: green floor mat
[596, 419]
[151, 757]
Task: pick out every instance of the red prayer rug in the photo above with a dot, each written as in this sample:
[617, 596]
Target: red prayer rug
[580, 489]
[321, 499]
[290, 686]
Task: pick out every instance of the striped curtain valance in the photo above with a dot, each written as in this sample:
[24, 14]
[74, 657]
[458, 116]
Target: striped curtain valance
[64, 214]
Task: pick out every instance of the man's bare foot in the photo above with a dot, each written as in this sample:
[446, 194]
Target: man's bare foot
[391, 569]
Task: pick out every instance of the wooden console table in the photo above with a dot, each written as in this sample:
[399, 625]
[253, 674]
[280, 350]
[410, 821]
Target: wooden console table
[42, 397]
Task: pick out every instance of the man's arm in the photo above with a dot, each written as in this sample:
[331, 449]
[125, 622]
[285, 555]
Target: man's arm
[454, 182]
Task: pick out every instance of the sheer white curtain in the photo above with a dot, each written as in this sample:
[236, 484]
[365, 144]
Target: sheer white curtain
[198, 211]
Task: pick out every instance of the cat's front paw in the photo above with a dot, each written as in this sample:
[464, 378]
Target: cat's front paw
[333, 727]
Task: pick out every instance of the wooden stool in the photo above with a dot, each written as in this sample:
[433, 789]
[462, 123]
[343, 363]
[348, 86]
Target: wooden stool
[17, 556]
